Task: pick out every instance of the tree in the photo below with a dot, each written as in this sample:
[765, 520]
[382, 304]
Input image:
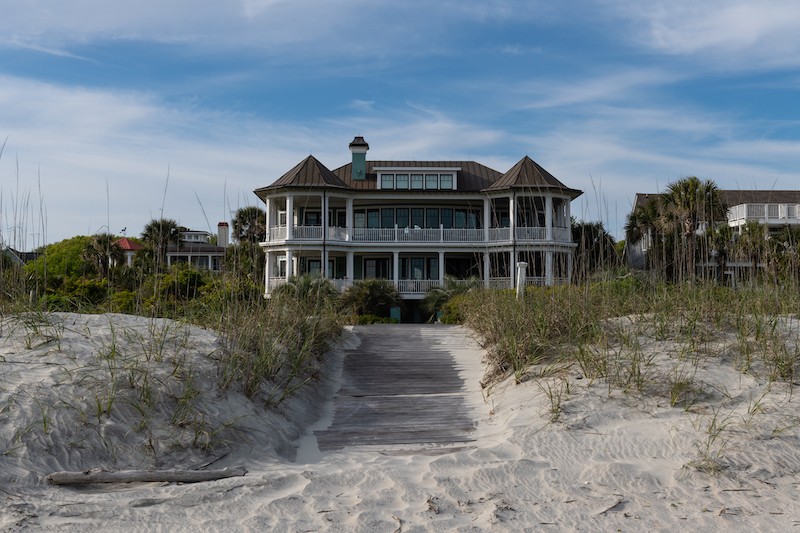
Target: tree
[250, 224]
[101, 252]
[596, 249]
[436, 298]
[688, 203]
[160, 233]
[371, 297]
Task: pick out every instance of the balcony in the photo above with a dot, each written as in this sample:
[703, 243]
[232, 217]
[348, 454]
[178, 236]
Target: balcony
[764, 213]
[279, 234]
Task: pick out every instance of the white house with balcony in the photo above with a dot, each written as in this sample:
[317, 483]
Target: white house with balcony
[773, 209]
[415, 222]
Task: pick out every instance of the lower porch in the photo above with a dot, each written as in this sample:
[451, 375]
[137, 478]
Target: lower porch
[414, 273]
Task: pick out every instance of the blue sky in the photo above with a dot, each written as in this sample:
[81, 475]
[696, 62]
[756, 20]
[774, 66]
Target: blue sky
[114, 113]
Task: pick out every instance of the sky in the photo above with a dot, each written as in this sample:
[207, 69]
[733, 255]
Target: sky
[115, 113]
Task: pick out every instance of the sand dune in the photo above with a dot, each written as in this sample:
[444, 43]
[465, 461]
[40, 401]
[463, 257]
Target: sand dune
[552, 453]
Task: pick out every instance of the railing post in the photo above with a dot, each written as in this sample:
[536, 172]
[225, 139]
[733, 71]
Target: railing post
[522, 268]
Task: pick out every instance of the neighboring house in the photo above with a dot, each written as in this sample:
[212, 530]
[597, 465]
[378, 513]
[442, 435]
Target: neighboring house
[774, 209]
[129, 249]
[19, 258]
[195, 248]
[414, 222]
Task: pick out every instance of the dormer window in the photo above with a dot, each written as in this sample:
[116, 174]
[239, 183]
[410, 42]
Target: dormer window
[428, 179]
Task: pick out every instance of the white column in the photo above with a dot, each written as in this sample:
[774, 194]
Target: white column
[548, 268]
[441, 269]
[487, 217]
[324, 203]
[268, 218]
[570, 263]
[522, 268]
[349, 219]
[325, 273]
[289, 220]
[548, 216]
[396, 269]
[514, 261]
[267, 272]
[289, 264]
[568, 220]
[487, 269]
[512, 218]
[349, 270]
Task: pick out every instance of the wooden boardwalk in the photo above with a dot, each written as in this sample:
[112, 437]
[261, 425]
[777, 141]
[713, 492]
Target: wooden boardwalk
[402, 386]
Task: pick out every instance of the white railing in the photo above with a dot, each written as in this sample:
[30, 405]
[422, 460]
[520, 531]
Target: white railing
[531, 234]
[562, 234]
[765, 212]
[415, 235]
[416, 286]
[499, 234]
[500, 283]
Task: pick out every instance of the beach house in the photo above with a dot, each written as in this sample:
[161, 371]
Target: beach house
[773, 209]
[415, 222]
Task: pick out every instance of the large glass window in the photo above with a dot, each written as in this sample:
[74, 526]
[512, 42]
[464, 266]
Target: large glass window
[313, 218]
[401, 181]
[402, 217]
[446, 182]
[373, 218]
[360, 219]
[387, 217]
[387, 181]
[432, 217]
[416, 181]
[431, 181]
[460, 219]
[417, 217]
[447, 217]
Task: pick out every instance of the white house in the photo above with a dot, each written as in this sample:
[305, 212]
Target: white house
[195, 248]
[413, 222]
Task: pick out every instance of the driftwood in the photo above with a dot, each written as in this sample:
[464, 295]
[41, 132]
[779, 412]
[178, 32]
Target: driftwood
[133, 476]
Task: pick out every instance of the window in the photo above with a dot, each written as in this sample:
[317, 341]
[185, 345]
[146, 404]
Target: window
[431, 181]
[313, 218]
[417, 217]
[387, 217]
[387, 181]
[461, 219]
[432, 217]
[402, 217]
[447, 218]
[446, 182]
[416, 181]
[373, 218]
[360, 219]
[401, 181]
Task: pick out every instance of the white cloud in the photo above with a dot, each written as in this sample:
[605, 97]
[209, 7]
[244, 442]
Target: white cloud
[734, 33]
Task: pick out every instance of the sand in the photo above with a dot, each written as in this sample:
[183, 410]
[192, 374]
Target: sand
[558, 452]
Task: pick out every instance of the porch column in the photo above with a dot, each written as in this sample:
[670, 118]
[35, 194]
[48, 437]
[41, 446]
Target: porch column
[548, 216]
[487, 269]
[570, 262]
[324, 265]
[289, 265]
[268, 217]
[349, 270]
[396, 270]
[349, 219]
[441, 269]
[289, 221]
[513, 257]
[487, 218]
[548, 268]
[267, 272]
[512, 218]
[324, 204]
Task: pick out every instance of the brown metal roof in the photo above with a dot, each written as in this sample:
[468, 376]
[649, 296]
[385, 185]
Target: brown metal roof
[473, 177]
[736, 197]
[307, 173]
[527, 174]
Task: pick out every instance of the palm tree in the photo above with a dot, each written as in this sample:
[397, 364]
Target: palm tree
[596, 248]
[101, 253]
[159, 234]
[436, 298]
[643, 224]
[250, 224]
[689, 203]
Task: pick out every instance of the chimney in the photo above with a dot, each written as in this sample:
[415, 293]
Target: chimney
[222, 234]
[359, 149]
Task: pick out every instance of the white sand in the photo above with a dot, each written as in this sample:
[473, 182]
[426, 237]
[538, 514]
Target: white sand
[610, 461]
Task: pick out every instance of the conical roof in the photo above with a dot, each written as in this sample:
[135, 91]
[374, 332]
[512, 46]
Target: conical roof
[307, 173]
[528, 174]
